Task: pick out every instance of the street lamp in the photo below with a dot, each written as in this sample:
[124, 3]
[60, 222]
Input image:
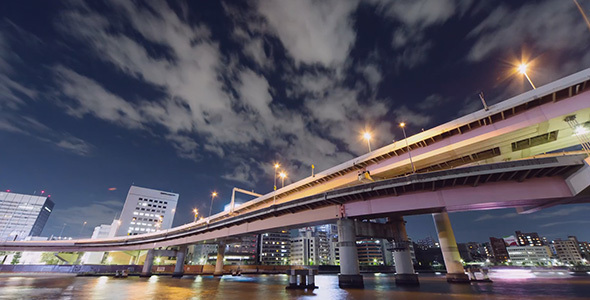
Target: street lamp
[403, 126]
[213, 195]
[274, 201]
[196, 212]
[367, 136]
[522, 69]
[82, 229]
[283, 175]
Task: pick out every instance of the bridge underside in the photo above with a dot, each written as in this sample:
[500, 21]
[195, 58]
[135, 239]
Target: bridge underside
[536, 182]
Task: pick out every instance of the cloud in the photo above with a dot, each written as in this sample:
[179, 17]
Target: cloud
[561, 212]
[211, 101]
[312, 32]
[546, 32]
[404, 114]
[486, 217]
[577, 222]
[24, 125]
[90, 98]
[413, 18]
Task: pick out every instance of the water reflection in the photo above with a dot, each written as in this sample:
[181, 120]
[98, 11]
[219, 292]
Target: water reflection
[378, 286]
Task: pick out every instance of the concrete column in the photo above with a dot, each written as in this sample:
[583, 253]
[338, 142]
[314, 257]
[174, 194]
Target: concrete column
[146, 271]
[404, 267]
[448, 246]
[349, 276]
[179, 267]
[219, 262]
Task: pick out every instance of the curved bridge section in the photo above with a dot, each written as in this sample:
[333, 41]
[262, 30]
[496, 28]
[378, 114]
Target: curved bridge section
[534, 181]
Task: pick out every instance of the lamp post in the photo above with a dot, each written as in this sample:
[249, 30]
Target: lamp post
[274, 201]
[196, 212]
[213, 195]
[522, 69]
[82, 229]
[283, 175]
[403, 126]
[367, 136]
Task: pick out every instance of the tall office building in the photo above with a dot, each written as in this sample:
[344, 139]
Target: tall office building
[275, 248]
[147, 210]
[567, 250]
[23, 215]
[498, 247]
[370, 251]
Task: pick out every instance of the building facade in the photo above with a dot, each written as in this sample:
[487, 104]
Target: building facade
[275, 248]
[528, 239]
[371, 252]
[100, 232]
[567, 250]
[499, 252]
[147, 210]
[529, 255]
[23, 215]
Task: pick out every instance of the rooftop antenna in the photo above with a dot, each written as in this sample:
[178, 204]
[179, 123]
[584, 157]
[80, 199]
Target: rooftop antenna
[483, 101]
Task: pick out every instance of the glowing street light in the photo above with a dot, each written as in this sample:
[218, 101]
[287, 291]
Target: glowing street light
[522, 69]
[367, 136]
[274, 201]
[213, 195]
[283, 175]
[403, 126]
[196, 212]
[82, 229]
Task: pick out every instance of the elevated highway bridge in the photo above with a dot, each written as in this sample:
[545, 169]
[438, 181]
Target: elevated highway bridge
[506, 156]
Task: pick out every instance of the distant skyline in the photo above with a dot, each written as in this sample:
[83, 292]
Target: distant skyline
[194, 97]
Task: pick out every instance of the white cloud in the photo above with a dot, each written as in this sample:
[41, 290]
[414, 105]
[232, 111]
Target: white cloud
[312, 31]
[212, 104]
[91, 98]
[496, 217]
[545, 31]
[415, 17]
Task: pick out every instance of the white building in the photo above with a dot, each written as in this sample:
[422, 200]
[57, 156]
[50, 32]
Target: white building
[529, 255]
[147, 210]
[23, 215]
[304, 250]
[100, 232]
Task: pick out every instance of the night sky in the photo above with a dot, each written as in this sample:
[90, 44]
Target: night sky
[198, 96]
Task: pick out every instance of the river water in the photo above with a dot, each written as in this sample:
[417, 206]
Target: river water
[270, 287]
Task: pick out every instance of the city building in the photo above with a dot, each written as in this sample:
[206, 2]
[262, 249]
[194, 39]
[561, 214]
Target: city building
[529, 255]
[567, 250]
[499, 252]
[243, 252]
[304, 249]
[23, 215]
[274, 248]
[528, 239]
[100, 232]
[199, 254]
[147, 210]
[370, 252]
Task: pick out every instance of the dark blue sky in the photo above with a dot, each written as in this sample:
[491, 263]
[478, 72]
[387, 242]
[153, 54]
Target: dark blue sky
[198, 96]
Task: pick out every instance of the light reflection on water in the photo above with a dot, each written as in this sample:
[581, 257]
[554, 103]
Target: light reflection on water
[378, 286]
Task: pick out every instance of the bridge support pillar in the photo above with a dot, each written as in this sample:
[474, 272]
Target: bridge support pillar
[404, 268]
[349, 276]
[179, 267]
[219, 262]
[146, 271]
[448, 246]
